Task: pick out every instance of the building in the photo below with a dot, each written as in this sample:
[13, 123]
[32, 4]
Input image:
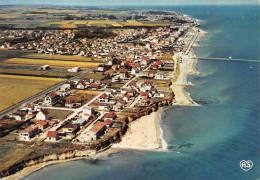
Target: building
[51, 98]
[43, 114]
[104, 98]
[159, 75]
[70, 128]
[74, 69]
[52, 136]
[96, 131]
[29, 133]
[80, 122]
[69, 103]
[111, 116]
[43, 125]
[108, 122]
[88, 111]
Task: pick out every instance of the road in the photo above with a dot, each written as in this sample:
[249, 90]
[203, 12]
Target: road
[37, 96]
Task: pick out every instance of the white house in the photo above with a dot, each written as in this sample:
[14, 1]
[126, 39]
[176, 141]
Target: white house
[159, 75]
[51, 98]
[43, 114]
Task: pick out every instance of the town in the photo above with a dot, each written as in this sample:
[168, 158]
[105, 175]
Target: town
[92, 107]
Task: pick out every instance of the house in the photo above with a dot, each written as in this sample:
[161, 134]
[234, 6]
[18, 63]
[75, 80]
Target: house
[95, 86]
[111, 116]
[43, 114]
[126, 97]
[132, 92]
[117, 107]
[67, 86]
[80, 122]
[52, 136]
[123, 73]
[74, 69]
[101, 68]
[104, 98]
[96, 131]
[159, 75]
[88, 111]
[122, 102]
[144, 95]
[82, 85]
[70, 128]
[145, 101]
[133, 84]
[29, 107]
[108, 122]
[104, 107]
[43, 125]
[29, 133]
[51, 98]
[69, 103]
[44, 68]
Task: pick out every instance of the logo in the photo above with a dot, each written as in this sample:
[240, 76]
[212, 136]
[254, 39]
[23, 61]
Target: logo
[246, 165]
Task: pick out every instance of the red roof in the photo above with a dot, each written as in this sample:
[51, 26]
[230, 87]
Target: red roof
[69, 101]
[146, 58]
[95, 85]
[132, 83]
[45, 112]
[146, 99]
[123, 71]
[127, 95]
[42, 123]
[110, 54]
[111, 115]
[148, 82]
[131, 91]
[123, 102]
[145, 94]
[103, 96]
[29, 105]
[52, 134]
[108, 122]
[52, 95]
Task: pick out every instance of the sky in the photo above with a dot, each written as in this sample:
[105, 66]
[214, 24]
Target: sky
[125, 2]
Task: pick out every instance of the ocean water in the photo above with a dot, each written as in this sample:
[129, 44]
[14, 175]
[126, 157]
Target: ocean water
[207, 141]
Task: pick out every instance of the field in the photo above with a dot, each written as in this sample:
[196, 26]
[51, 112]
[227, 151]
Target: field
[82, 95]
[95, 76]
[100, 23]
[62, 57]
[59, 114]
[165, 57]
[17, 88]
[52, 63]
[21, 72]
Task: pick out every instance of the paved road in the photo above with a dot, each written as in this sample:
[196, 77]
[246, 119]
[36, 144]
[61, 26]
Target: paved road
[41, 94]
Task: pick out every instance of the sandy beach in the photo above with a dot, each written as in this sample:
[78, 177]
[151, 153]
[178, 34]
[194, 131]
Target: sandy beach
[143, 134]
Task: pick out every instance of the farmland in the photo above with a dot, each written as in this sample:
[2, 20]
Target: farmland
[54, 63]
[17, 88]
[62, 57]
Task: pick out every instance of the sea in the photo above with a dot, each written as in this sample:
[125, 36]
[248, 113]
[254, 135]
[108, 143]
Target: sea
[206, 141]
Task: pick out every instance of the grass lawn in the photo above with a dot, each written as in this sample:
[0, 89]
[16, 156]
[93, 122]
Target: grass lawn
[58, 114]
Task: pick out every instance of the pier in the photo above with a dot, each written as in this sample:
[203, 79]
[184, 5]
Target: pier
[228, 59]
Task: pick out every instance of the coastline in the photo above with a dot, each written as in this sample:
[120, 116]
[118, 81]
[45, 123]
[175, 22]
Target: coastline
[150, 124]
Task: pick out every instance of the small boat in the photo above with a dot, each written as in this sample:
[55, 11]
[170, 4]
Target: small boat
[250, 67]
[229, 57]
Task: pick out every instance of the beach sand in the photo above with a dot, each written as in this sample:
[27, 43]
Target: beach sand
[143, 134]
